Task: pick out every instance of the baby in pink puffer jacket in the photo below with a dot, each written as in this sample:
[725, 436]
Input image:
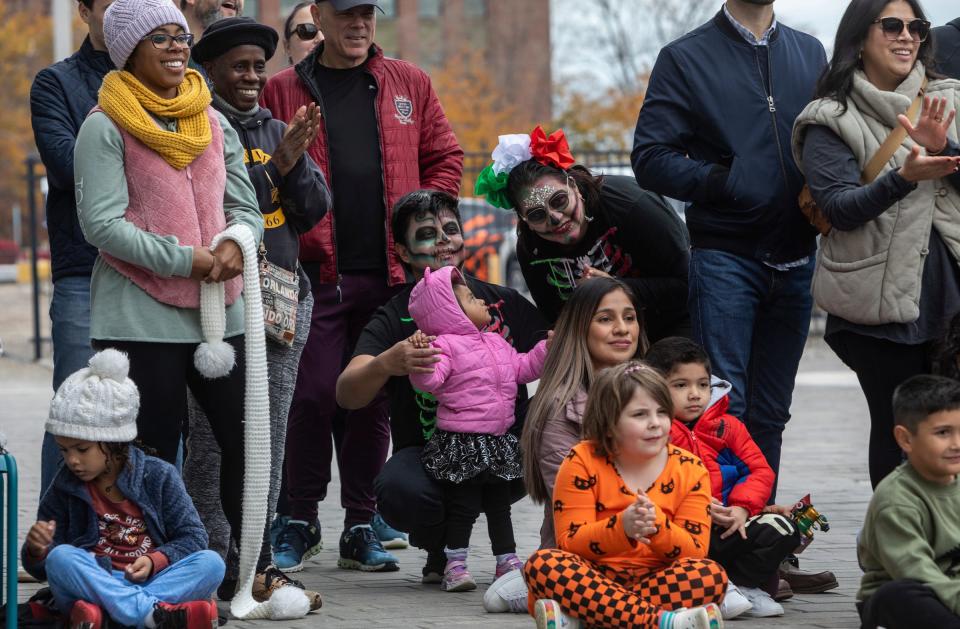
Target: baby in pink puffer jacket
[475, 384]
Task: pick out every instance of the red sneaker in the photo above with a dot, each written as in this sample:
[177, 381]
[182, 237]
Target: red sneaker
[191, 615]
[85, 615]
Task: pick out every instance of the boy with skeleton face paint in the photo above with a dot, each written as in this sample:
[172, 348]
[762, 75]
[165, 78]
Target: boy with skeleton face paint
[428, 232]
[433, 236]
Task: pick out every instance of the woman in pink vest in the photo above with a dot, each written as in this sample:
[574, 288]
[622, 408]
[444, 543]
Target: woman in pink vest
[158, 174]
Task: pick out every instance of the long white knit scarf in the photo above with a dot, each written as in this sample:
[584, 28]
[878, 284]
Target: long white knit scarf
[214, 359]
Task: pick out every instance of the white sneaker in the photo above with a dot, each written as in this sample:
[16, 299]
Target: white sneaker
[734, 602]
[507, 594]
[763, 605]
[550, 616]
[706, 617]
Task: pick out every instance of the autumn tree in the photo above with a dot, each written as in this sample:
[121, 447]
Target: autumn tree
[601, 121]
[26, 47]
[478, 107]
[605, 50]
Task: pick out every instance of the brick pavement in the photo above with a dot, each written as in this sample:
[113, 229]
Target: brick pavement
[823, 453]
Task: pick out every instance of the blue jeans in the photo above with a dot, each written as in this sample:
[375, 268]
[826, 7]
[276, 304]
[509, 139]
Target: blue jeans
[70, 331]
[753, 322]
[74, 574]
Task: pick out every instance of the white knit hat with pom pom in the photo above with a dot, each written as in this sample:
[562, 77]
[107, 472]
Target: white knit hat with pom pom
[97, 403]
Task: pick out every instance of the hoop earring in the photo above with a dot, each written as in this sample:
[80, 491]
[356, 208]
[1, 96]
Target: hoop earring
[586, 216]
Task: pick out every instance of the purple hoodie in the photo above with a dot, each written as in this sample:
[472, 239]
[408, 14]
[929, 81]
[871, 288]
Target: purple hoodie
[475, 382]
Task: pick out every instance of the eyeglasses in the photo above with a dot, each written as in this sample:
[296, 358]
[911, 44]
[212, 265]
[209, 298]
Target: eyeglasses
[305, 31]
[892, 27]
[162, 41]
[558, 201]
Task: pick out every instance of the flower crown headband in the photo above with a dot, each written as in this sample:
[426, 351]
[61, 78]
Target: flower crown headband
[513, 150]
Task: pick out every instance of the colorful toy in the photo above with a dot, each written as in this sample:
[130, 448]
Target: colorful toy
[807, 519]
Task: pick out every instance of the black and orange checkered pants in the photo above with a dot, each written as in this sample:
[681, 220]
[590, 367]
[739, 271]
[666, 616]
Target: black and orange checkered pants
[601, 596]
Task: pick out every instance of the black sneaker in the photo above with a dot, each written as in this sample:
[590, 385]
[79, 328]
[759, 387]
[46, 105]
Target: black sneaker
[296, 542]
[360, 549]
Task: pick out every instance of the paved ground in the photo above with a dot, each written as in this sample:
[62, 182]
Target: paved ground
[824, 454]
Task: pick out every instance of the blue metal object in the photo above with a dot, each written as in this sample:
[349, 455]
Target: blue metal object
[8, 466]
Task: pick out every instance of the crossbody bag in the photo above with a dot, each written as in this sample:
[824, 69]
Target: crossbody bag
[812, 212]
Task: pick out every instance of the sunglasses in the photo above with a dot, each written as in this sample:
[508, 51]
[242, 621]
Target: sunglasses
[892, 27]
[305, 31]
[558, 202]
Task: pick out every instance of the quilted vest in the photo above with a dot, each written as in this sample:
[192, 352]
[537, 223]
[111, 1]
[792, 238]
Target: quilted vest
[872, 274]
[187, 204]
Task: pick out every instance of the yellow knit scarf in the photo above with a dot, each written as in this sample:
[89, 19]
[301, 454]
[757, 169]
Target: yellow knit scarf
[127, 101]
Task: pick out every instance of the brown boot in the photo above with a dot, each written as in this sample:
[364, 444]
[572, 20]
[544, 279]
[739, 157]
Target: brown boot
[271, 580]
[784, 591]
[806, 582]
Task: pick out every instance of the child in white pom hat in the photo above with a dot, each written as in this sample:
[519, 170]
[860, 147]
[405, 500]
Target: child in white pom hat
[116, 533]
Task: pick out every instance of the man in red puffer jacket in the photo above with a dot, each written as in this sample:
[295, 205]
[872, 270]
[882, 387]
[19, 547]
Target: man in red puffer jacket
[383, 134]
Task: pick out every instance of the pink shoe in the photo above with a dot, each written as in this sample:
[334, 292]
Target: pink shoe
[509, 564]
[456, 578]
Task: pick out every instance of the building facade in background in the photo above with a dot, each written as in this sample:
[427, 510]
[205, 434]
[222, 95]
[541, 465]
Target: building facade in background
[514, 35]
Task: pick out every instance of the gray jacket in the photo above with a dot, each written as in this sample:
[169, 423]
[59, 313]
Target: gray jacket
[871, 275]
[560, 433]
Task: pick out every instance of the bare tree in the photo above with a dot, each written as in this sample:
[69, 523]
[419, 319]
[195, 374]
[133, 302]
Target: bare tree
[625, 35]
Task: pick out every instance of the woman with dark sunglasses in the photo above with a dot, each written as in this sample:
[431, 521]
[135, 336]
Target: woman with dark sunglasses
[887, 272]
[574, 226]
[300, 33]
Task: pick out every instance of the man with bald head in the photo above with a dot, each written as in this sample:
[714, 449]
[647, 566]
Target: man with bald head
[202, 13]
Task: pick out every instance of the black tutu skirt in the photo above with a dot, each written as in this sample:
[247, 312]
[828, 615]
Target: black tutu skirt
[457, 457]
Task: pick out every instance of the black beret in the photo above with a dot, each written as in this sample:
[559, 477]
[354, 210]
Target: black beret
[231, 32]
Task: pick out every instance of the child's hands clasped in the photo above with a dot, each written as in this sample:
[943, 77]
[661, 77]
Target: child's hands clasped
[732, 519]
[40, 537]
[639, 519]
[140, 570]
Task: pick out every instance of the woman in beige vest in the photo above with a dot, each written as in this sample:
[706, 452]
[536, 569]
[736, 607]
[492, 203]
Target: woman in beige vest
[887, 272]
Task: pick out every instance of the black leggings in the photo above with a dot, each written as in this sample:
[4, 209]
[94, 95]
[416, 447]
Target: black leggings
[162, 373]
[906, 604]
[464, 503]
[410, 500]
[880, 366]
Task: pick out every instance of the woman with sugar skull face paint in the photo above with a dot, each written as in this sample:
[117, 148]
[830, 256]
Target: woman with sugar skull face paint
[575, 226]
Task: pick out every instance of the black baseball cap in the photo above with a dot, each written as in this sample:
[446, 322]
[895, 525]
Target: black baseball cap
[343, 5]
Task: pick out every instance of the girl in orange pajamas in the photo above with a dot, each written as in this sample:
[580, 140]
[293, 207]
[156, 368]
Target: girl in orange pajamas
[632, 520]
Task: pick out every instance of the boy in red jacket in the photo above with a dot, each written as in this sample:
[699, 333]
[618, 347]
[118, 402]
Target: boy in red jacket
[747, 541]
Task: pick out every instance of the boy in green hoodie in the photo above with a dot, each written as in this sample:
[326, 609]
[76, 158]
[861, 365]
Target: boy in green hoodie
[909, 547]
